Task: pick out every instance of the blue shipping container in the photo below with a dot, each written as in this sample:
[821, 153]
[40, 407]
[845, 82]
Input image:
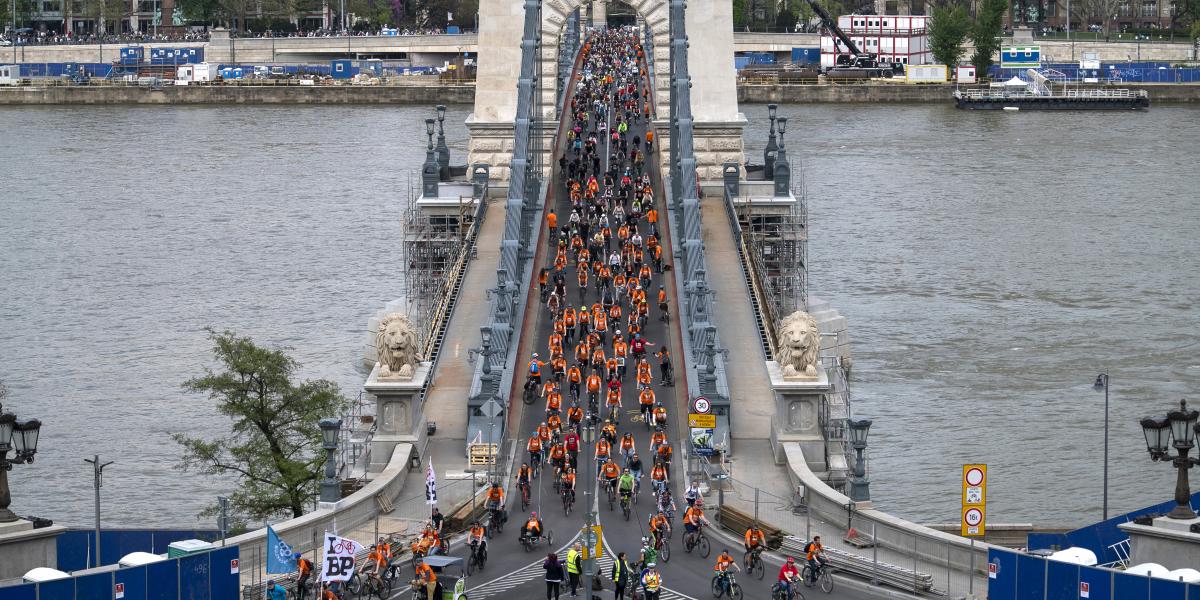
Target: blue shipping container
[342, 69]
[806, 56]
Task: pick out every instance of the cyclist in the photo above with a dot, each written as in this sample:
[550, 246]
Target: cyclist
[692, 493]
[304, 568]
[427, 578]
[574, 378]
[814, 553]
[649, 552]
[567, 484]
[524, 474]
[788, 576]
[534, 446]
[627, 446]
[659, 525]
[495, 501]
[659, 478]
[533, 527]
[609, 473]
[571, 441]
[558, 456]
[477, 539]
[657, 439]
[659, 417]
[693, 519]
[275, 591]
[666, 504]
[535, 370]
[625, 484]
[608, 431]
[724, 563]
[755, 539]
[665, 452]
[646, 401]
[378, 558]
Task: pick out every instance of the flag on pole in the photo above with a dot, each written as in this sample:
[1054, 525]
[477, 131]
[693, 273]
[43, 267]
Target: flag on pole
[430, 484]
[279, 555]
[338, 563]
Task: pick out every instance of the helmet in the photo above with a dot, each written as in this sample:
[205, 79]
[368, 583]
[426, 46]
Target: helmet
[495, 485]
[791, 560]
[645, 540]
[535, 354]
[660, 287]
[650, 565]
[298, 555]
[533, 514]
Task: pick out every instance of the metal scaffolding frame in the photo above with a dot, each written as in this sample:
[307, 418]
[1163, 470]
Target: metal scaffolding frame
[778, 245]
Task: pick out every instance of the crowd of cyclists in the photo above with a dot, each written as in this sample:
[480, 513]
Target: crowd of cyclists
[609, 244]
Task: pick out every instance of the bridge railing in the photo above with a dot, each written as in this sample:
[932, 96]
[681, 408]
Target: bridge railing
[704, 357]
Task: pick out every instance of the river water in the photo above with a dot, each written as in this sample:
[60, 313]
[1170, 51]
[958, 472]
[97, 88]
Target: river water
[990, 264]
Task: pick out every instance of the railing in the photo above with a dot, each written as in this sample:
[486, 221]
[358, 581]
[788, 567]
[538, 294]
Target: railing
[1074, 93]
[752, 271]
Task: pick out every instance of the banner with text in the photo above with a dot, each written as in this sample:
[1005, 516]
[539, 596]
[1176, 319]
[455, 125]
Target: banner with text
[338, 564]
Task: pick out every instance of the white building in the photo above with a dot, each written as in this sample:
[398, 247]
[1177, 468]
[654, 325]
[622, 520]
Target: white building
[893, 38]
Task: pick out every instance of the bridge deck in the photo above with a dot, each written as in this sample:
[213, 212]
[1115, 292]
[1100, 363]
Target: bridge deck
[752, 399]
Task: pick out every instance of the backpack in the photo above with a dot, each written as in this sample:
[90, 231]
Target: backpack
[808, 547]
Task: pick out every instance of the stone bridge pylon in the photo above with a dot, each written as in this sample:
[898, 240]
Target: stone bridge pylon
[718, 124]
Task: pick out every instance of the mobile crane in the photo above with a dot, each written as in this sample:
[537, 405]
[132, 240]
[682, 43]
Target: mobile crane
[859, 64]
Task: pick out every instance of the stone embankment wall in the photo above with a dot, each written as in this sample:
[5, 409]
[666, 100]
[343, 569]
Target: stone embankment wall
[196, 94]
[465, 94]
[920, 93]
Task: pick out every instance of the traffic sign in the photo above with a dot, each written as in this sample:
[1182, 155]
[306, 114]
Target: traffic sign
[701, 405]
[974, 499]
[973, 521]
[702, 421]
[592, 539]
[491, 409]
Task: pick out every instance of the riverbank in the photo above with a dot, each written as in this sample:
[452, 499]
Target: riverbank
[897, 93]
[239, 94]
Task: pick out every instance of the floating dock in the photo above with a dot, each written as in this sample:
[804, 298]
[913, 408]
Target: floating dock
[1039, 93]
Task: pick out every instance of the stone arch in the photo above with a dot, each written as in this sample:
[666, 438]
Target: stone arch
[554, 21]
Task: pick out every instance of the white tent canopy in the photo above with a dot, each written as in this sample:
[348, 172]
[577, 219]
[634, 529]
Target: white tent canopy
[1016, 81]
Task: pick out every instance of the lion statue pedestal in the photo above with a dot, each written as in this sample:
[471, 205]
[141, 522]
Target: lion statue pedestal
[800, 385]
[396, 382]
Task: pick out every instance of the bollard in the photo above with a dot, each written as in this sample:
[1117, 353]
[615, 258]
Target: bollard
[947, 568]
[971, 579]
[874, 556]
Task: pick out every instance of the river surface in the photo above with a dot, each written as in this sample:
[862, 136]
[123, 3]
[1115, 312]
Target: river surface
[990, 265]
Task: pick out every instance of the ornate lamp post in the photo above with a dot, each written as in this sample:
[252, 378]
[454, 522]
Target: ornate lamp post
[430, 170]
[442, 149]
[20, 437]
[781, 168]
[1177, 430]
[591, 497]
[860, 485]
[330, 488]
[772, 146]
[1102, 384]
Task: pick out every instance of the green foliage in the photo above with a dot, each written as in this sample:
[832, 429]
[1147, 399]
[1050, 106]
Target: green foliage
[986, 33]
[741, 14]
[274, 447]
[948, 29]
[786, 19]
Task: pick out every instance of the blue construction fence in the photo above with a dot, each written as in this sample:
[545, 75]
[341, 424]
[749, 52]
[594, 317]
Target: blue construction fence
[231, 71]
[1099, 537]
[1128, 72]
[1016, 576]
[206, 576]
[77, 547]
[741, 60]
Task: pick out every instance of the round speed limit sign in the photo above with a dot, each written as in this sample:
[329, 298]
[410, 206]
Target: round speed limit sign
[702, 405]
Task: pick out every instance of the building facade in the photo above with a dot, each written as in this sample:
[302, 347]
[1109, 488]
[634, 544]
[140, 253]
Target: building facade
[897, 39]
[1131, 14]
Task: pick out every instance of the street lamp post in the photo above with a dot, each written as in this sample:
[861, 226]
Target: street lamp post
[1102, 384]
[429, 171]
[97, 482]
[860, 485]
[442, 149]
[330, 489]
[1177, 430]
[772, 146]
[591, 498]
[20, 437]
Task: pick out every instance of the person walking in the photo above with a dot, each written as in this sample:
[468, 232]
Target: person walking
[554, 576]
[573, 568]
[620, 576]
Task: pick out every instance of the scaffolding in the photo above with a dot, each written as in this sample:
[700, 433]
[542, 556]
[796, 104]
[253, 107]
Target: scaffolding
[778, 243]
[432, 248]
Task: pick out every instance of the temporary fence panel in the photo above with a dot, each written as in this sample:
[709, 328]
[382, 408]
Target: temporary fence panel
[62, 588]
[1061, 580]
[1165, 589]
[1031, 577]
[26, 591]
[225, 573]
[162, 580]
[1002, 574]
[194, 581]
[1130, 587]
[97, 586]
[132, 582]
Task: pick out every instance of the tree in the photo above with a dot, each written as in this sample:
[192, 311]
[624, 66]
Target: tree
[948, 29]
[986, 33]
[273, 449]
[741, 14]
[1099, 11]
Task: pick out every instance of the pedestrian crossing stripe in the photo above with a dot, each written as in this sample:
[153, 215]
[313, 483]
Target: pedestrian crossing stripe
[534, 571]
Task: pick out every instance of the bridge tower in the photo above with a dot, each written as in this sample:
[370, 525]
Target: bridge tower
[718, 124]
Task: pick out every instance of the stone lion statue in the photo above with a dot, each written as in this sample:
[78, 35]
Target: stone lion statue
[397, 344]
[798, 346]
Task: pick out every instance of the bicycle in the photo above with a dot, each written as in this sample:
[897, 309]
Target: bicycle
[524, 495]
[754, 563]
[793, 592]
[697, 540]
[536, 467]
[611, 490]
[726, 584]
[823, 576]
[568, 499]
[495, 522]
[477, 558]
[530, 393]
[529, 541]
[625, 502]
[663, 547]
